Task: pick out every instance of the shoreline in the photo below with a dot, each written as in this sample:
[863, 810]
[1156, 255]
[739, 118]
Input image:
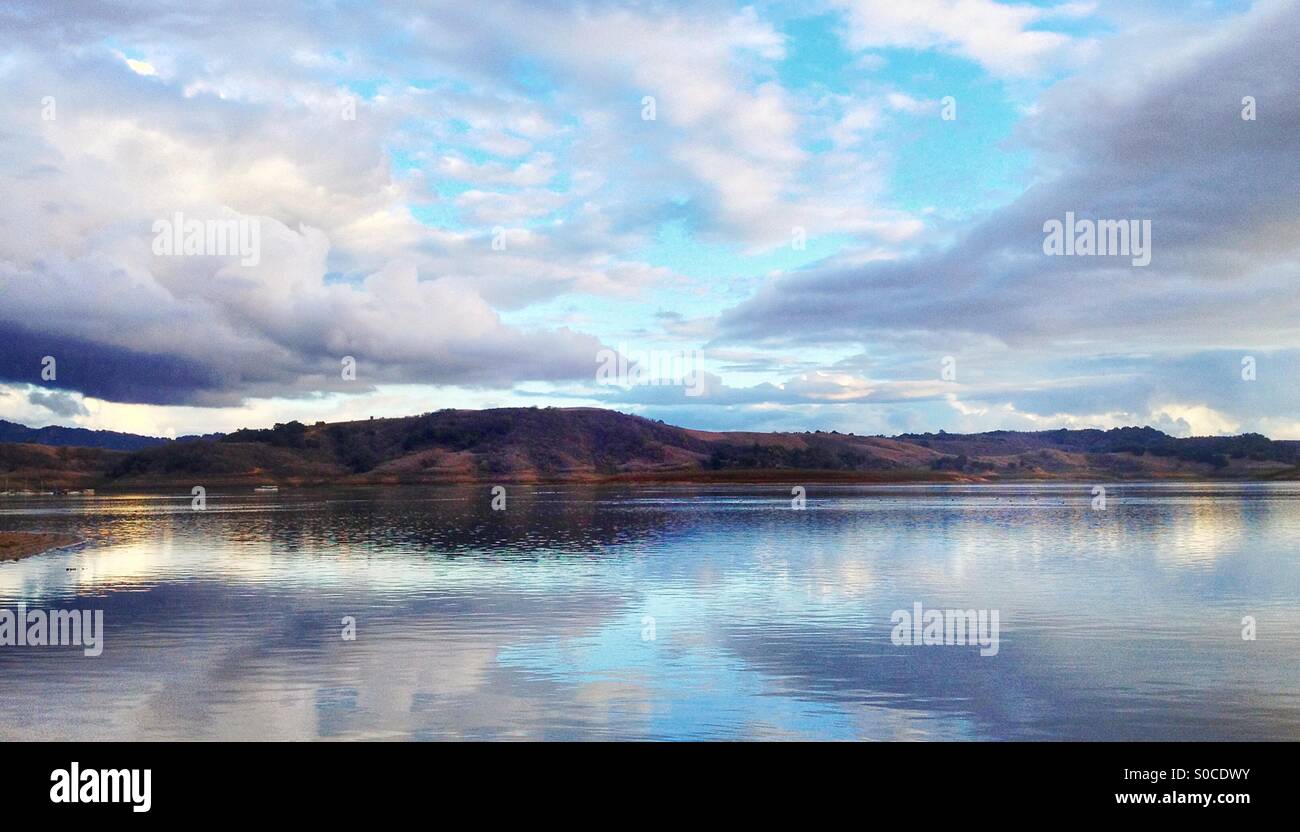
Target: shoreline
[15, 546]
[227, 488]
[671, 476]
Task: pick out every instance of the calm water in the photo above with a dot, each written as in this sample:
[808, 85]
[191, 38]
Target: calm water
[663, 612]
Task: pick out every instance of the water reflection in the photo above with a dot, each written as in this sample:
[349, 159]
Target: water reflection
[766, 622]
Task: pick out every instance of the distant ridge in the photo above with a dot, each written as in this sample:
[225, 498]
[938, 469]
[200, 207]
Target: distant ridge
[594, 445]
[61, 437]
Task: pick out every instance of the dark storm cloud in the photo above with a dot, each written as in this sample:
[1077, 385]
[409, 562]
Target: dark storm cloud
[100, 370]
[205, 335]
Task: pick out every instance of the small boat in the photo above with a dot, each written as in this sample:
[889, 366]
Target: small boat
[267, 489]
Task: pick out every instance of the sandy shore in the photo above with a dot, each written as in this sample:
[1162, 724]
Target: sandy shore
[19, 545]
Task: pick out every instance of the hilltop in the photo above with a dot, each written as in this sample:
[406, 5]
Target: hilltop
[590, 444]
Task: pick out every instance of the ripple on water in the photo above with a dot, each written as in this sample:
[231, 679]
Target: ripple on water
[664, 612]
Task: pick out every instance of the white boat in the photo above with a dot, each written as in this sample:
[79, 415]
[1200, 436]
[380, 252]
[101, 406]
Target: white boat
[267, 489]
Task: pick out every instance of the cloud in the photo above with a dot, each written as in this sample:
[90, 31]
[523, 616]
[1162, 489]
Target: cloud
[1222, 194]
[345, 270]
[1194, 420]
[215, 333]
[999, 36]
[58, 403]
[378, 231]
[218, 122]
[141, 67]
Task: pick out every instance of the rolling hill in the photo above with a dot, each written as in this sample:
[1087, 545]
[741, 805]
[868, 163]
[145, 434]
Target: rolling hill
[590, 444]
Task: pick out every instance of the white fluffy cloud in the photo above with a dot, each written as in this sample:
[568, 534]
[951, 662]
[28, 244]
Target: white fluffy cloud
[997, 35]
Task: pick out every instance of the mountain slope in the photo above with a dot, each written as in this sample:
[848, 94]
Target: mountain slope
[45, 466]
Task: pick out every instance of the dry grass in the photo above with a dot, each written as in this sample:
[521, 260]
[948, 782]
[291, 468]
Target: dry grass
[19, 545]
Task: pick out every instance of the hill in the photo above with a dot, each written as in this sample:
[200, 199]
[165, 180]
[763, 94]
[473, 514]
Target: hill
[590, 444]
[47, 467]
[76, 437]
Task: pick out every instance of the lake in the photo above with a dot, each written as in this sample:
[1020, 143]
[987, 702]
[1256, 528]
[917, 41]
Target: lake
[664, 612]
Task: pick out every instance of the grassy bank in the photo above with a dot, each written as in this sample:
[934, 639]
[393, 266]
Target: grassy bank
[19, 545]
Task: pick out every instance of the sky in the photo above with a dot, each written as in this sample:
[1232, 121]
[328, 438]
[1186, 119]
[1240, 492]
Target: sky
[826, 214]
